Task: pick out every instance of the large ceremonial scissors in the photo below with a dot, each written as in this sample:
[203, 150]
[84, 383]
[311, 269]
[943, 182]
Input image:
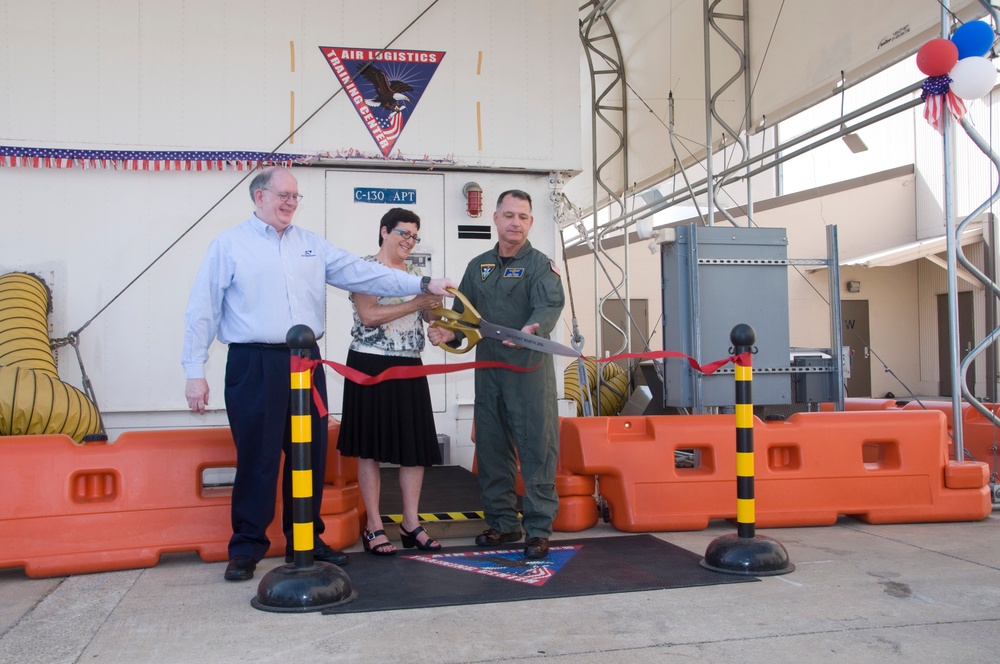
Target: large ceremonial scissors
[475, 329]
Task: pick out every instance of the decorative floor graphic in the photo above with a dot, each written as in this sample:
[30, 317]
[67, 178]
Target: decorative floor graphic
[507, 564]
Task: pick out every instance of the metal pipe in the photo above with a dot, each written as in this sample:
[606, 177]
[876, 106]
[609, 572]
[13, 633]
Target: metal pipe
[741, 71]
[836, 315]
[979, 275]
[709, 189]
[681, 196]
[748, 95]
[842, 130]
[949, 224]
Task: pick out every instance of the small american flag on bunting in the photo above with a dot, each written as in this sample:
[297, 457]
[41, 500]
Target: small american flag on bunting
[938, 99]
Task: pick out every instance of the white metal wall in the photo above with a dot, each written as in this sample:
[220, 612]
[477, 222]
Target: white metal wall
[222, 75]
[234, 75]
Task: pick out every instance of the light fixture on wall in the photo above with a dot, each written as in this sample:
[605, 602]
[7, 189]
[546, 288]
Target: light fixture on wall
[473, 199]
[644, 228]
[853, 286]
[853, 141]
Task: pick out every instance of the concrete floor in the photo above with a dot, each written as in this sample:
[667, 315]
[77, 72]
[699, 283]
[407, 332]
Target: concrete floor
[859, 593]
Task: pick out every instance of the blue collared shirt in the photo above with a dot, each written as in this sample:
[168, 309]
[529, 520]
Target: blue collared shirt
[253, 286]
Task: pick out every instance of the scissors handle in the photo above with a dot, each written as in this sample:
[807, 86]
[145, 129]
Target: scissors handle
[466, 322]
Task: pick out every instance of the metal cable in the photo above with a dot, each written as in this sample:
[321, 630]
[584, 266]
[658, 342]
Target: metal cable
[249, 173]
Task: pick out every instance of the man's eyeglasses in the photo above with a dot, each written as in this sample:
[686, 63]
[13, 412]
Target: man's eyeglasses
[407, 235]
[285, 196]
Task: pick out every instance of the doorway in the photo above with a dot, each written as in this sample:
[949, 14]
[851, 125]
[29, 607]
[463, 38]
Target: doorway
[355, 202]
[855, 330]
[966, 340]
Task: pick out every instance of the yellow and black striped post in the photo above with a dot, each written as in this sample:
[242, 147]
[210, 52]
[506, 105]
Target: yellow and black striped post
[745, 513]
[302, 479]
[746, 552]
[305, 585]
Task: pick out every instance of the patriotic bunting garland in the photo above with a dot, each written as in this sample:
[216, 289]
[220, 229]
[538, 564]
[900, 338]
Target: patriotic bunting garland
[129, 160]
[29, 157]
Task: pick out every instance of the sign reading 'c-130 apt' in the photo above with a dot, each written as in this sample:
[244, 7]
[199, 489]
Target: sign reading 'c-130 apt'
[384, 86]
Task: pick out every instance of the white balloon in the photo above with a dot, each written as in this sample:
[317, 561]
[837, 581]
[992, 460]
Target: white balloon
[973, 77]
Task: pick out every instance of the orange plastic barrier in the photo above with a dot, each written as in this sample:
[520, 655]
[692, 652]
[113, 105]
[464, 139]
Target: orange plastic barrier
[577, 500]
[881, 467]
[577, 493]
[341, 496]
[980, 437]
[863, 404]
[71, 508]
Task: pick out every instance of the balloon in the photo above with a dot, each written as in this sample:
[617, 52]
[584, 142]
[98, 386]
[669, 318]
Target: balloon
[973, 39]
[973, 77]
[937, 57]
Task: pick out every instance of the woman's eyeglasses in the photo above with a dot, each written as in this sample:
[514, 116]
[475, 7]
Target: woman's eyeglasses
[407, 235]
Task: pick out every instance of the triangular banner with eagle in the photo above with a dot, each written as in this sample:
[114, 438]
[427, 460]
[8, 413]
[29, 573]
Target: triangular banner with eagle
[384, 86]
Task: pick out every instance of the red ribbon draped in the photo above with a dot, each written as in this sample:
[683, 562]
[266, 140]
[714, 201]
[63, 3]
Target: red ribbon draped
[743, 359]
[300, 364]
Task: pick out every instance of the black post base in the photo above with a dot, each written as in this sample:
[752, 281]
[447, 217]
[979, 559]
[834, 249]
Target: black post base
[756, 556]
[291, 589]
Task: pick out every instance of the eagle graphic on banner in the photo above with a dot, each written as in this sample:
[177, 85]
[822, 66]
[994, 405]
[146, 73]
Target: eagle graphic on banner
[388, 94]
[385, 87]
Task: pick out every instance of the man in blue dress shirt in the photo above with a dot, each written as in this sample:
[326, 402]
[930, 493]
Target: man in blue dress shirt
[259, 279]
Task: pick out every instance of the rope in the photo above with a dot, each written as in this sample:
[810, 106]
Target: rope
[583, 387]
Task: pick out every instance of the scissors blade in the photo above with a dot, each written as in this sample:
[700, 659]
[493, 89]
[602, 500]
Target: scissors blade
[501, 333]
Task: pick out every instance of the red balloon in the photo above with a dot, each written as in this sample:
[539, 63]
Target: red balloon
[937, 57]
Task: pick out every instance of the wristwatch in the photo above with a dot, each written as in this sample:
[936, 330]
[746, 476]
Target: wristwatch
[425, 283]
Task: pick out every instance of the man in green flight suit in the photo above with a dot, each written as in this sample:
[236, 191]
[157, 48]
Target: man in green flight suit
[516, 415]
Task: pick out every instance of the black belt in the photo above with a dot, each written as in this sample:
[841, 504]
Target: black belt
[261, 346]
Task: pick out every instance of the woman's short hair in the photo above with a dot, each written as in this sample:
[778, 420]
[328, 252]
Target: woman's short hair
[396, 216]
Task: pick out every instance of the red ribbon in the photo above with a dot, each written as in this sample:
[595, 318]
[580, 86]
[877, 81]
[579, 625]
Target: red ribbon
[393, 373]
[743, 359]
[300, 364]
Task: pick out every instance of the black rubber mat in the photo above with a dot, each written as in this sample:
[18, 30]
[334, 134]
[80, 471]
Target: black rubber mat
[471, 575]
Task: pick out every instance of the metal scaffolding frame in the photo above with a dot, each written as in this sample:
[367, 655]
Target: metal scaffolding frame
[607, 75]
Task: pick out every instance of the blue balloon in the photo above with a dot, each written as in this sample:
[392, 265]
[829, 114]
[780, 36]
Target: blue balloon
[973, 39]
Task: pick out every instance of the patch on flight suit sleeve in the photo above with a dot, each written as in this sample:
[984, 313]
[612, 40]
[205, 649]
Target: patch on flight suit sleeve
[486, 269]
[555, 268]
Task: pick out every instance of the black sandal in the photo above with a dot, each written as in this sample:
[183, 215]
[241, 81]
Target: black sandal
[377, 549]
[410, 539]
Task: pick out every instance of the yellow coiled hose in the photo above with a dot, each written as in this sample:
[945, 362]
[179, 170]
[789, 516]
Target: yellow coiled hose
[32, 398]
[614, 390]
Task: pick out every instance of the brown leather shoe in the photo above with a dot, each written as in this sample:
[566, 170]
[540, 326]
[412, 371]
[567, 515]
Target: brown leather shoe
[494, 537]
[536, 548]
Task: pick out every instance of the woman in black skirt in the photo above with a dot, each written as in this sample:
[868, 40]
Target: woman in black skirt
[392, 421]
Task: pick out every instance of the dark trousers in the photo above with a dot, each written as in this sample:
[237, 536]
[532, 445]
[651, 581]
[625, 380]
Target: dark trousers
[258, 393]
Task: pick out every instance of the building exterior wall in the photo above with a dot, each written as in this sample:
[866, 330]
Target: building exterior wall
[120, 245]
[163, 74]
[872, 215]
